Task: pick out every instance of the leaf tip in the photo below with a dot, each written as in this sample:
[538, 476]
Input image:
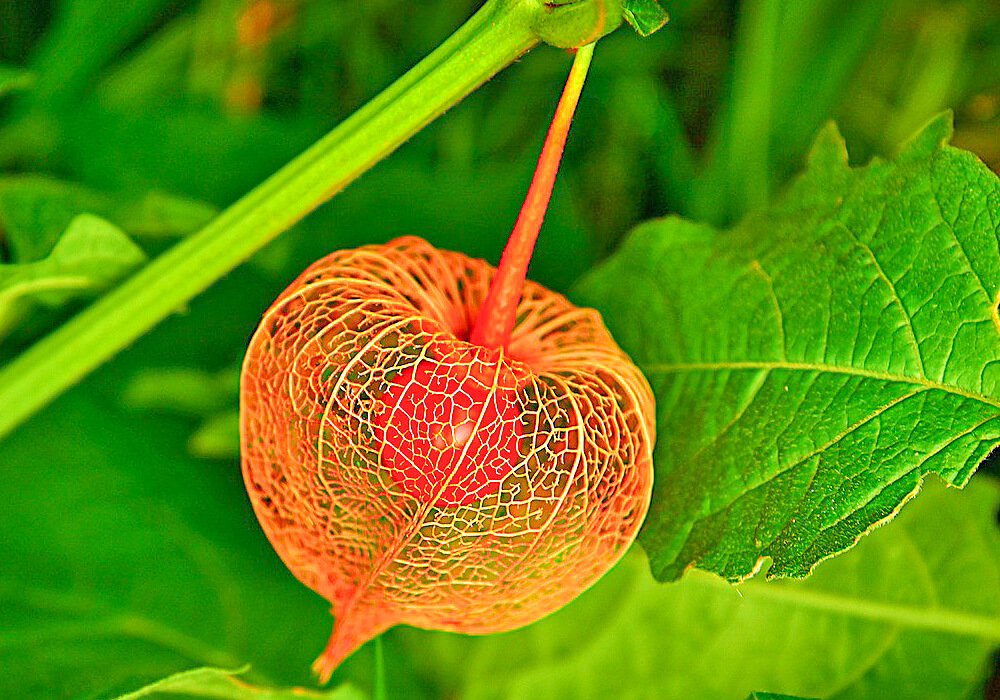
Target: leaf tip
[930, 139]
[828, 150]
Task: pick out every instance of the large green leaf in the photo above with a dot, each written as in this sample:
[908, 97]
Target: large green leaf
[219, 683]
[912, 613]
[126, 561]
[812, 364]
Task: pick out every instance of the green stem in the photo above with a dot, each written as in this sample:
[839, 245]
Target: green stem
[380, 692]
[496, 35]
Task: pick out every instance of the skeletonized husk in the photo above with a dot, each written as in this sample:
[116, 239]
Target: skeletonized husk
[494, 557]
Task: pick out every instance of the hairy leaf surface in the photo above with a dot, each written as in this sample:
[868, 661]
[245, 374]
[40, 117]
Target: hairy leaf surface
[815, 362]
[912, 613]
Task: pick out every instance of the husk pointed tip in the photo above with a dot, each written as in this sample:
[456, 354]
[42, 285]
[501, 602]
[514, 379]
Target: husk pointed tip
[349, 634]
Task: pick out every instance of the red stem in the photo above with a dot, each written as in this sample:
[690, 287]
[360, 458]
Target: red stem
[498, 314]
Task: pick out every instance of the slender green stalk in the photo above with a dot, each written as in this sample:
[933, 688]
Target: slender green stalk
[380, 692]
[496, 35]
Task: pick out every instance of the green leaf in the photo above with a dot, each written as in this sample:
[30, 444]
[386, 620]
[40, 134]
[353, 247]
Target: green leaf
[815, 362]
[220, 683]
[160, 215]
[773, 696]
[90, 256]
[13, 78]
[190, 391]
[126, 561]
[912, 613]
[34, 212]
[645, 16]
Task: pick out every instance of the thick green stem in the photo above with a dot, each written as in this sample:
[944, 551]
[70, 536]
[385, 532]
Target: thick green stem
[496, 35]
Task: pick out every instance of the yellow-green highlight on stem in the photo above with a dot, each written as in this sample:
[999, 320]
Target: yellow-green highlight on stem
[494, 37]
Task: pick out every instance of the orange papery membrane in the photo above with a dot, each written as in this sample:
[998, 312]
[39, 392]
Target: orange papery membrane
[538, 494]
[409, 475]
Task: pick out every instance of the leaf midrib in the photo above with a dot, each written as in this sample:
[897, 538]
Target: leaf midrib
[931, 617]
[817, 367]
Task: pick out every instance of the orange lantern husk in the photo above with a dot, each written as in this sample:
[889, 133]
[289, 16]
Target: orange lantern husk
[315, 382]
[412, 464]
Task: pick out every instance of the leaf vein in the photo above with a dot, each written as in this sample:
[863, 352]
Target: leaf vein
[968, 261]
[934, 618]
[750, 365]
[907, 317]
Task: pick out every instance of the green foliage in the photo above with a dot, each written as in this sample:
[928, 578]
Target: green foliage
[783, 83]
[67, 242]
[121, 575]
[90, 256]
[912, 612]
[225, 685]
[209, 396]
[87, 611]
[645, 16]
[184, 390]
[35, 211]
[812, 364]
[83, 37]
[217, 437]
[12, 78]
[133, 564]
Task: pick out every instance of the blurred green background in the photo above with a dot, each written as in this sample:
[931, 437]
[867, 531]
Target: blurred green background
[125, 494]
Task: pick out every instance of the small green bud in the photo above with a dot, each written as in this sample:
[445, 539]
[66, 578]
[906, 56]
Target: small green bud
[570, 24]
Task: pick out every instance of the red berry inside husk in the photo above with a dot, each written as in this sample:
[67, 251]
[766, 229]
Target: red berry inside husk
[454, 423]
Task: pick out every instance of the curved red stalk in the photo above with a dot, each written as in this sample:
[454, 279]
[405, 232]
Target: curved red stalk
[498, 314]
